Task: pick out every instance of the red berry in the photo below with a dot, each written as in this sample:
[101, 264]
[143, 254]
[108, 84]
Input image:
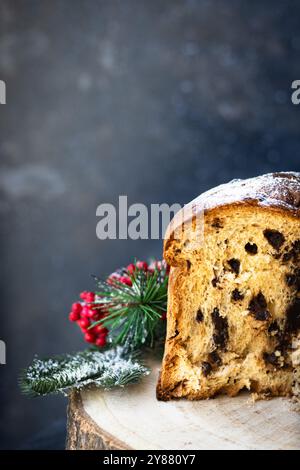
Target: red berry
[85, 312]
[84, 323]
[100, 330]
[125, 280]
[101, 341]
[89, 337]
[159, 265]
[152, 266]
[76, 307]
[131, 268]
[90, 312]
[82, 295]
[142, 265]
[95, 316]
[90, 297]
[73, 316]
[164, 316]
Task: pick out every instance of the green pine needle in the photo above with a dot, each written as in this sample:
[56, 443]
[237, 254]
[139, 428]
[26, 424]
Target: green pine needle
[106, 369]
[134, 312]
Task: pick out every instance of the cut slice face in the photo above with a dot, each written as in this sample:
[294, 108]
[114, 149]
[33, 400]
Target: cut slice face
[244, 279]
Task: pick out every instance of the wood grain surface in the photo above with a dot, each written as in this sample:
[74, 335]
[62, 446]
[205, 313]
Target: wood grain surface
[132, 418]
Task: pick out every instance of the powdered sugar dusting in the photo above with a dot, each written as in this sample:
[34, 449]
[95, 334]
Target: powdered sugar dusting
[273, 189]
[279, 190]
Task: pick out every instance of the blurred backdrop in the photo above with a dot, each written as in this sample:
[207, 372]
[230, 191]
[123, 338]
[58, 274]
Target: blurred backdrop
[157, 100]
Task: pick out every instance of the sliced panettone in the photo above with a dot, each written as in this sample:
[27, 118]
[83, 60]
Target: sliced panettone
[234, 291]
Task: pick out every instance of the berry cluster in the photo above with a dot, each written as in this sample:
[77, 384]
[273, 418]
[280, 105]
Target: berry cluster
[123, 275]
[87, 312]
[90, 310]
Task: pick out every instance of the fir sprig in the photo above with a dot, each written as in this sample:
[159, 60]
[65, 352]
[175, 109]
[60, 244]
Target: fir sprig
[135, 312]
[132, 305]
[106, 369]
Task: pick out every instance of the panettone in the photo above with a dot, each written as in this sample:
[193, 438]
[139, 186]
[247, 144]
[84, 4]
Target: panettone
[234, 291]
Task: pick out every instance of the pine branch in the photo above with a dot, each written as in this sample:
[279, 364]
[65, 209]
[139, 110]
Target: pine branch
[134, 316]
[106, 369]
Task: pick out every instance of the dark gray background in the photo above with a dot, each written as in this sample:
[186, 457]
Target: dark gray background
[158, 100]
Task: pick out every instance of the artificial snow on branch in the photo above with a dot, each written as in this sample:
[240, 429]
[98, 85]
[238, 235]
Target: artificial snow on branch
[107, 369]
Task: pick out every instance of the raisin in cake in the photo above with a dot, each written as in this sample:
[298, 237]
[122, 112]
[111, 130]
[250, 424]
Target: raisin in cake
[234, 295]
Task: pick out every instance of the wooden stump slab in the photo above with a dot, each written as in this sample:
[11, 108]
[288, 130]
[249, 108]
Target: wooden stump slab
[132, 418]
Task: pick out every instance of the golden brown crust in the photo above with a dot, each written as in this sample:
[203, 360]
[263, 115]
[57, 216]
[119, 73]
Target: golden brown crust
[161, 394]
[278, 191]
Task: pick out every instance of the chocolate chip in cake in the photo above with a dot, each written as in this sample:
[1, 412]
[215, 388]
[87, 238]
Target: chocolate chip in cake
[262, 316]
[217, 223]
[290, 279]
[251, 248]
[235, 265]
[257, 303]
[215, 281]
[258, 307]
[287, 256]
[236, 295]
[215, 316]
[293, 253]
[199, 316]
[297, 274]
[296, 246]
[206, 368]
[270, 358]
[215, 358]
[293, 317]
[293, 279]
[176, 333]
[274, 237]
[188, 265]
[273, 328]
[220, 336]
